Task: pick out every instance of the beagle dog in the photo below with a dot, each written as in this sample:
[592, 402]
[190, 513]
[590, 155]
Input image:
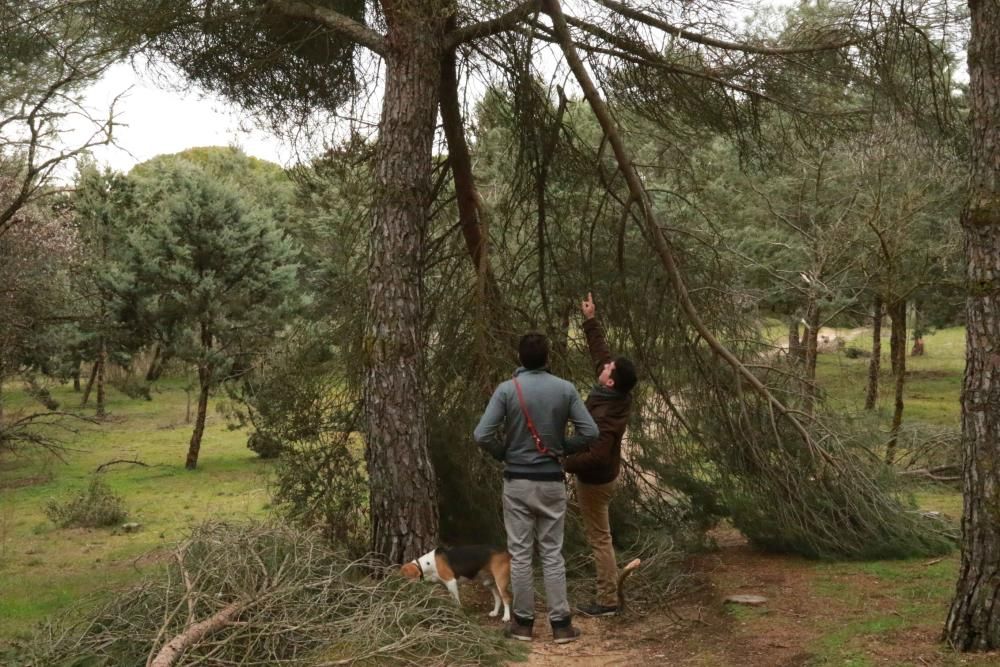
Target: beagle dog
[488, 564]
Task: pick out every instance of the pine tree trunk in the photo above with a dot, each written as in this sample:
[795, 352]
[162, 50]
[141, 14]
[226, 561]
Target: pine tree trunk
[402, 484]
[205, 384]
[875, 363]
[155, 366]
[795, 349]
[811, 353]
[897, 412]
[102, 362]
[90, 383]
[76, 375]
[974, 619]
[897, 333]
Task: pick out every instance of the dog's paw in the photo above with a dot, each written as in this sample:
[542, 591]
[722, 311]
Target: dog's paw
[506, 618]
[494, 614]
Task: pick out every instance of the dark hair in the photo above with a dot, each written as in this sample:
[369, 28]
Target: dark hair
[624, 375]
[533, 350]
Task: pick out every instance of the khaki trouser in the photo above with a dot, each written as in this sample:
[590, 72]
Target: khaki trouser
[594, 500]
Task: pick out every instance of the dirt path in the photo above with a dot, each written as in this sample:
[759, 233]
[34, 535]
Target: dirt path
[817, 615]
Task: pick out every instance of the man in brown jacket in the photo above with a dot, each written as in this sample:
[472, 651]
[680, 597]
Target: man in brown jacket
[596, 470]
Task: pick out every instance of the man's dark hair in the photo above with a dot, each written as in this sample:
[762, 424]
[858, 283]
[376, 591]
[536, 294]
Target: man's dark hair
[533, 350]
[624, 375]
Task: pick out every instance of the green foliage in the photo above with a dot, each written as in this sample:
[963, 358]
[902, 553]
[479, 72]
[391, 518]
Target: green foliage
[68, 565]
[103, 209]
[848, 507]
[34, 260]
[96, 507]
[301, 412]
[263, 445]
[215, 276]
[263, 61]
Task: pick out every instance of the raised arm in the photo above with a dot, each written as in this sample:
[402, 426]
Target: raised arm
[600, 354]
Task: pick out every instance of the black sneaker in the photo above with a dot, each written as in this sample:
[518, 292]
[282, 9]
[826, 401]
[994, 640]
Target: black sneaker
[518, 630]
[595, 610]
[565, 634]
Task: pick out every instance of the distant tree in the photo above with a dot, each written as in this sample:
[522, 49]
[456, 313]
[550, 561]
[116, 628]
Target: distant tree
[260, 185]
[800, 237]
[218, 274]
[907, 185]
[102, 204]
[34, 290]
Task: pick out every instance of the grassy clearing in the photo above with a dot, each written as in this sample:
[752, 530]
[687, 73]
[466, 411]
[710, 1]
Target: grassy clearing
[884, 604]
[44, 568]
[892, 605]
[861, 609]
[933, 381]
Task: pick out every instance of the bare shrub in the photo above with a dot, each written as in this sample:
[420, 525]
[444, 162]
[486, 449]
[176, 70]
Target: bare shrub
[266, 594]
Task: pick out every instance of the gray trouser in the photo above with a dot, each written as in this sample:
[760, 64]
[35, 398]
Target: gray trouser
[536, 510]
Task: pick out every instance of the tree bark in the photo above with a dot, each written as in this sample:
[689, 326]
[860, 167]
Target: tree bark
[811, 345]
[897, 411]
[795, 349]
[102, 362]
[174, 649]
[90, 383]
[401, 478]
[875, 363]
[974, 618]
[495, 322]
[155, 365]
[897, 336]
[205, 384]
[897, 352]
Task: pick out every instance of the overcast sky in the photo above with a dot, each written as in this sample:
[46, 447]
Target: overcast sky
[152, 121]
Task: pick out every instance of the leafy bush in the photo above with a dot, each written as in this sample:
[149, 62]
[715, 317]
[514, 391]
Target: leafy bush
[95, 507]
[40, 393]
[266, 446]
[133, 387]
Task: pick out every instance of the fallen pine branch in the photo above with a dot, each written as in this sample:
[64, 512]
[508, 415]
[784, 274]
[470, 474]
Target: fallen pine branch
[173, 649]
[932, 474]
[117, 461]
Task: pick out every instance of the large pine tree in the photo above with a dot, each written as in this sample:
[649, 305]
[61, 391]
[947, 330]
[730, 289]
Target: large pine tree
[974, 619]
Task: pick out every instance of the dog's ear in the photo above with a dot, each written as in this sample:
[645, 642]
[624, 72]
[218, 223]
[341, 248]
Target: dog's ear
[410, 571]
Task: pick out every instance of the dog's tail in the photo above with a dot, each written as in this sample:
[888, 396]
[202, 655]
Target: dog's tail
[632, 566]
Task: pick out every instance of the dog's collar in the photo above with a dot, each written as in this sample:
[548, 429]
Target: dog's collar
[420, 568]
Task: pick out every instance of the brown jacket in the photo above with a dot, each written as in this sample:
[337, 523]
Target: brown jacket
[602, 462]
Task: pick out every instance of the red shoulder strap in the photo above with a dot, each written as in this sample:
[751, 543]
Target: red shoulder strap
[539, 444]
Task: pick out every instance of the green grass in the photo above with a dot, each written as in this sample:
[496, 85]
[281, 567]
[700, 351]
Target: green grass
[44, 568]
[933, 381]
[883, 599]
